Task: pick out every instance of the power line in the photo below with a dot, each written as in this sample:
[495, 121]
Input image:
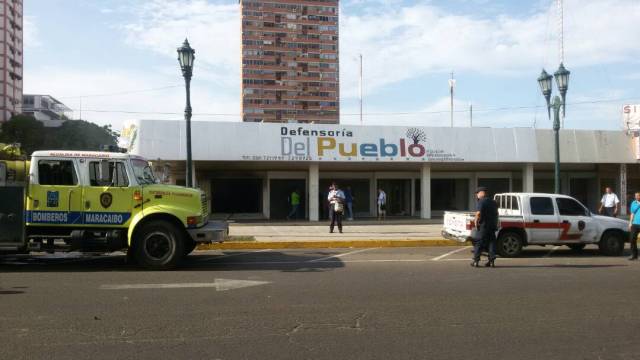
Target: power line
[122, 92]
[489, 109]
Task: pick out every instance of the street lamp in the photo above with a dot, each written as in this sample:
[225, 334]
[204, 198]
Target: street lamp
[546, 86]
[185, 58]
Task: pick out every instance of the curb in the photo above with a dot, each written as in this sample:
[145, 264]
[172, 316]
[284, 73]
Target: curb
[261, 245]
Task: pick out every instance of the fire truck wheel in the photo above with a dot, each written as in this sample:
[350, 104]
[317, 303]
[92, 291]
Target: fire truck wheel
[611, 244]
[510, 244]
[160, 245]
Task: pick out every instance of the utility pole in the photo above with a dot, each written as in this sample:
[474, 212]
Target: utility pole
[470, 115]
[452, 85]
[561, 45]
[361, 85]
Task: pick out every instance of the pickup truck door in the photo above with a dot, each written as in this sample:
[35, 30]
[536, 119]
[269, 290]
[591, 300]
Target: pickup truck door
[55, 195]
[543, 226]
[108, 204]
[576, 223]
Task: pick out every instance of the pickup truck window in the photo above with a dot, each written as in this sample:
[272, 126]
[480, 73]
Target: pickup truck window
[57, 172]
[541, 206]
[117, 174]
[570, 207]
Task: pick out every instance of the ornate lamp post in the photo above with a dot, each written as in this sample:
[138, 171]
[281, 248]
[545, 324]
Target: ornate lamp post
[562, 82]
[186, 57]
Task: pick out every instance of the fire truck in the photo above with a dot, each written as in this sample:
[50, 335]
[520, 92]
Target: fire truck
[99, 202]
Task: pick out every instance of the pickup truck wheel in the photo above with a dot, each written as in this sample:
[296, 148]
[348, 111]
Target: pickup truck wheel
[576, 247]
[611, 244]
[160, 245]
[510, 244]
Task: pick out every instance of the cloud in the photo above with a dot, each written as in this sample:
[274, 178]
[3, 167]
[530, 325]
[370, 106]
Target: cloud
[67, 83]
[31, 32]
[401, 43]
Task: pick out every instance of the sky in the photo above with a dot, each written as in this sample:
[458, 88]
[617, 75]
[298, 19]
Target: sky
[113, 61]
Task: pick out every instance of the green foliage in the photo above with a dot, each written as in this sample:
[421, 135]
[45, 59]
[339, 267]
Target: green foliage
[72, 135]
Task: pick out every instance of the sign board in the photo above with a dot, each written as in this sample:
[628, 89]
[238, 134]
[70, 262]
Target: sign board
[631, 117]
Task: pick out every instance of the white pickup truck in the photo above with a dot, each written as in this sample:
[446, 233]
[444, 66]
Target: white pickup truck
[543, 219]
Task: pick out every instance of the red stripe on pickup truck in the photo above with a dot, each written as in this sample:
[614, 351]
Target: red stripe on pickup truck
[539, 225]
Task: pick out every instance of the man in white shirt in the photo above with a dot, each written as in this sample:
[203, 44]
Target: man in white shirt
[610, 204]
[336, 207]
[382, 204]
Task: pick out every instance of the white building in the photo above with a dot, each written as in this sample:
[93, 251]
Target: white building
[11, 58]
[46, 109]
[249, 169]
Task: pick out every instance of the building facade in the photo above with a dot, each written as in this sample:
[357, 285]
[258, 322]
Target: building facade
[46, 109]
[250, 169]
[11, 47]
[290, 61]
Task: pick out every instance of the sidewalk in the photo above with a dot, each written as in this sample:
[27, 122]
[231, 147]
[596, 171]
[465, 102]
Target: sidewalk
[363, 233]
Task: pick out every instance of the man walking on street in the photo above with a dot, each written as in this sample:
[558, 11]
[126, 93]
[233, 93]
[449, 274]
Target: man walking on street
[294, 200]
[486, 221]
[610, 204]
[348, 198]
[336, 207]
[382, 204]
[634, 226]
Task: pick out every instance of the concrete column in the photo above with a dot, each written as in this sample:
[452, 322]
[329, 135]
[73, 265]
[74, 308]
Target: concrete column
[527, 178]
[473, 185]
[425, 191]
[373, 198]
[266, 201]
[623, 189]
[313, 192]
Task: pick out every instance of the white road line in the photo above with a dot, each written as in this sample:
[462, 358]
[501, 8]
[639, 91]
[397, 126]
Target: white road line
[218, 284]
[552, 250]
[450, 253]
[341, 255]
[216, 257]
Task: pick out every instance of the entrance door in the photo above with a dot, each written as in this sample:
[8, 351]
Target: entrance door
[398, 196]
[56, 197]
[111, 203]
[3, 174]
[280, 195]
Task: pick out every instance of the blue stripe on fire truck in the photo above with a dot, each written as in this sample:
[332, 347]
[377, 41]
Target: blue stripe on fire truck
[77, 218]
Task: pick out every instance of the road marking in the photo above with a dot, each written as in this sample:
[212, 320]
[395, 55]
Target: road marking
[552, 250]
[450, 253]
[341, 255]
[215, 257]
[218, 284]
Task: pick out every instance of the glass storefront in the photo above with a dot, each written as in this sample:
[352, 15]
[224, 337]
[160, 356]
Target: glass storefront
[449, 194]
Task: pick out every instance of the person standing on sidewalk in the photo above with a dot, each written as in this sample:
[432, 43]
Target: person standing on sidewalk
[348, 198]
[634, 226]
[610, 204]
[294, 200]
[382, 204]
[336, 207]
[487, 224]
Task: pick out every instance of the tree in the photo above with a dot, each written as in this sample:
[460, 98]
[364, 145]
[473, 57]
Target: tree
[25, 130]
[72, 135]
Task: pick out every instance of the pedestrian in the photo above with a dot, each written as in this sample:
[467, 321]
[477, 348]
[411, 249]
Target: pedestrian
[294, 200]
[634, 226]
[486, 222]
[348, 198]
[610, 204]
[382, 204]
[336, 207]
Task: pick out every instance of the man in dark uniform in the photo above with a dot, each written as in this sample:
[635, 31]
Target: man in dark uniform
[486, 224]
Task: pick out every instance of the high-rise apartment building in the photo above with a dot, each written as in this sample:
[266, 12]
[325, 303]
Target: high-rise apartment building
[290, 61]
[10, 58]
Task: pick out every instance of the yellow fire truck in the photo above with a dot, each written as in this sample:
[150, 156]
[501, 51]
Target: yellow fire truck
[100, 202]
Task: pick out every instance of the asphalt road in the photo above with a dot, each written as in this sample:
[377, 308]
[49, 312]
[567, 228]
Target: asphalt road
[406, 303]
